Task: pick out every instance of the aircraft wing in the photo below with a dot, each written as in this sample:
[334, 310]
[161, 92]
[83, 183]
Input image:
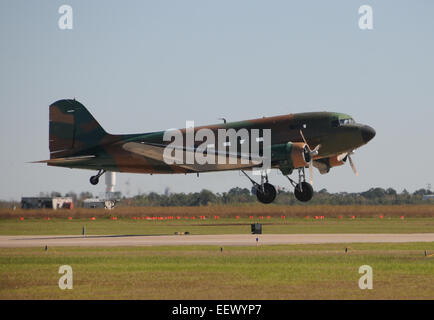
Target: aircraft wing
[222, 159]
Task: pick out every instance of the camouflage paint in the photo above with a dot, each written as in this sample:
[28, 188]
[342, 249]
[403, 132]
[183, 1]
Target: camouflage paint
[76, 140]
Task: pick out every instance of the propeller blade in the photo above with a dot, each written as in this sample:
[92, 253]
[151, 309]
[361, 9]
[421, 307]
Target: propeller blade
[302, 136]
[311, 172]
[352, 165]
[314, 152]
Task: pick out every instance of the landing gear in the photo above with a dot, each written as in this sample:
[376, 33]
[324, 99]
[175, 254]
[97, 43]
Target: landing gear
[303, 191]
[267, 195]
[265, 192]
[95, 179]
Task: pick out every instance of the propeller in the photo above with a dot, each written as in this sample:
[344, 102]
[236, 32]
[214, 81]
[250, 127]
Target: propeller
[311, 153]
[352, 163]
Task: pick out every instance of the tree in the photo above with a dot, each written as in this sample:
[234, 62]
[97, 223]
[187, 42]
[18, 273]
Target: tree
[374, 193]
[421, 192]
[391, 192]
[206, 197]
[323, 191]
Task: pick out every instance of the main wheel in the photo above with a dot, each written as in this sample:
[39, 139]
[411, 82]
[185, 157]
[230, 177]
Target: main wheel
[268, 195]
[306, 192]
[94, 180]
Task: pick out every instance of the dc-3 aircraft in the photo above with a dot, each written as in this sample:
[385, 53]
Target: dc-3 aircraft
[287, 142]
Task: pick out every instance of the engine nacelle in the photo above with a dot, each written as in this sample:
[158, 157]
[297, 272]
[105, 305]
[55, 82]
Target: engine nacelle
[338, 160]
[324, 165]
[290, 156]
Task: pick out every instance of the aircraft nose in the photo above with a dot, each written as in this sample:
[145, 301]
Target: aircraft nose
[367, 133]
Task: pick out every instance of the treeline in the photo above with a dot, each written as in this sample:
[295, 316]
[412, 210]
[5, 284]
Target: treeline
[237, 196]
[240, 196]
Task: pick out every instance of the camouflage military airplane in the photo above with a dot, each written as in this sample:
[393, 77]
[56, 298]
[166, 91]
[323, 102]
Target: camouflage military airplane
[298, 141]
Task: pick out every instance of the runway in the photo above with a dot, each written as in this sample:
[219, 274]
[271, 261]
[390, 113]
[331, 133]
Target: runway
[219, 240]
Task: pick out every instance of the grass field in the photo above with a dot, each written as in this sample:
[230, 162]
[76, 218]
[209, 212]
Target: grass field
[126, 226]
[220, 220]
[400, 271]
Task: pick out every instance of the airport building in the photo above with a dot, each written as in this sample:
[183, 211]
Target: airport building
[99, 203]
[47, 202]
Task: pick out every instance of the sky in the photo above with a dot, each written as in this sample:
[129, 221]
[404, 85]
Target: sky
[142, 66]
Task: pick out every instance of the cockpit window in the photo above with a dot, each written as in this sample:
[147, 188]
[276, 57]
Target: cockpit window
[347, 121]
[341, 122]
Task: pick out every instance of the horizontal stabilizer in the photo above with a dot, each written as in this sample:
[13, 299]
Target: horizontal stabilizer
[66, 160]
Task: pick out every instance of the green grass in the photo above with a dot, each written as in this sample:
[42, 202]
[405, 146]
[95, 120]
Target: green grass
[127, 226]
[401, 271]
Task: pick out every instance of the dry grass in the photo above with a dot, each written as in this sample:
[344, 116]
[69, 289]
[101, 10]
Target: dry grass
[419, 211]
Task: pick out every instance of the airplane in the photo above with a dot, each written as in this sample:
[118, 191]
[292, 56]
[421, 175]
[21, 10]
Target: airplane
[301, 140]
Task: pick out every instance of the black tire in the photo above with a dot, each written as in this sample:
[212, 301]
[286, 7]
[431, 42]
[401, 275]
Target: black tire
[306, 192]
[266, 196]
[94, 180]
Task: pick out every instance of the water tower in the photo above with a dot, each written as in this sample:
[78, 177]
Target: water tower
[110, 182]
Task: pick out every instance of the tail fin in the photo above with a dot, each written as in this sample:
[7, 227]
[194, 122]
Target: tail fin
[72, 129]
